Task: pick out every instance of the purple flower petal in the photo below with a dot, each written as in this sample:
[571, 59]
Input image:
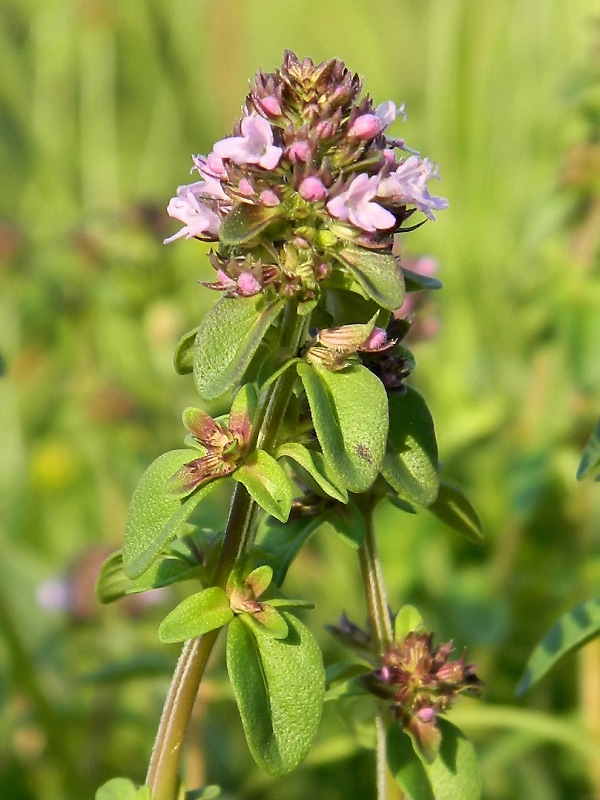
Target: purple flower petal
[254, 146]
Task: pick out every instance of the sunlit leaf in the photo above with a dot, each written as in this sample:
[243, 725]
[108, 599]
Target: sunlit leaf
[454, 510]
[267, 484]
[227, 339]
[408, 619]
[122, 789]
[377, 273]
[278, 686]
[155, 514]
[452, 775]
[570, 632]
[349, 412]
[410, 464]
[201, 612]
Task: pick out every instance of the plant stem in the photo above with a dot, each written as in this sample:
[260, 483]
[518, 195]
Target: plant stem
[163, 770]
[381, 631]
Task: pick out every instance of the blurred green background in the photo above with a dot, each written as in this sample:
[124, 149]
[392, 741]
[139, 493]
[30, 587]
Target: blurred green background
[101, 105]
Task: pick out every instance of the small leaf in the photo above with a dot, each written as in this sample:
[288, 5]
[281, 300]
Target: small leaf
[452, 775]
[571, 631]
[349, 412]
[272, 622]
[591, 455]
[454, 510]
[196, 615]
[377, 273]
[227, 339]
[245, 222]
[267, 484]
[243, 406]
[314, 463]
[415, 281]
[118, 789]
[155, 514]
[183, 360]
[112, 583]
[278, 686]
[410, 464]
[407, 620]
[259, 579]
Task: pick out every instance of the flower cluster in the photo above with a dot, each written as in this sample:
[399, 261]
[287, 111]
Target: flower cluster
[421, 682]
[308, 169]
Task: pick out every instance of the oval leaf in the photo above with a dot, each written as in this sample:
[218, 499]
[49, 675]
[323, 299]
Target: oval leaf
[349, 412]
[407, 620]
[571, 631]
[245, 222]
[314, 464]
[278, 686]
[113, 584]
[197, 614]
[155, 514]
[183, 360]
[452, 775]
[410, 464]
[454, 510]
[267, 484]
[227, 339]
[118, 789]
[377, 273]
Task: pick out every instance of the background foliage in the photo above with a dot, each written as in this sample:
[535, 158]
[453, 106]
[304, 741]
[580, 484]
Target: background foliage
[101, 104]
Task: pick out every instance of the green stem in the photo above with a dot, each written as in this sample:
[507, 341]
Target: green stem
[381, 630]
[163, 770]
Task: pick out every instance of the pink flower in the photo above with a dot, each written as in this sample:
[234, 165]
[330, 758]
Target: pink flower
[254, 146]
[367, 126]
[355, 205]
[271, 105]
[248, 285]
[312, 188]
[198, 219]
[298, 151]
[210, 166]
[408, 184]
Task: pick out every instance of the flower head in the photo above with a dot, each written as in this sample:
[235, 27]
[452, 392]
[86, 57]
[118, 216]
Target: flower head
[188, 207]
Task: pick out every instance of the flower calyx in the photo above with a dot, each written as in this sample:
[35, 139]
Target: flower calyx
[420, 682]
[335, 348]
[223, 447]
[244, 593]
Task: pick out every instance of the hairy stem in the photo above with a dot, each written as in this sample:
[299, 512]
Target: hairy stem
[163, 770]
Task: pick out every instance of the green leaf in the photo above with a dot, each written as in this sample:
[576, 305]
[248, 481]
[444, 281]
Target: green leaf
[407, 620]
[278, 686]
[270, 621]
[267, 484]
[314, 463]
[452, 775]
[243, 405]
[410, 464]
[197, 614]
[415, 282]
[571, 631]
[227, 339]
[121, 789]
[245, 222]
[454, 510]
[155, 514]
[112, 583]
[349, 412]
[183, 360]
[377, 273]
[347, 308]
[591, 455]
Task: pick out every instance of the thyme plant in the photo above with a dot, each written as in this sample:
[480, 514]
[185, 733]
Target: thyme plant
[302, 202]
